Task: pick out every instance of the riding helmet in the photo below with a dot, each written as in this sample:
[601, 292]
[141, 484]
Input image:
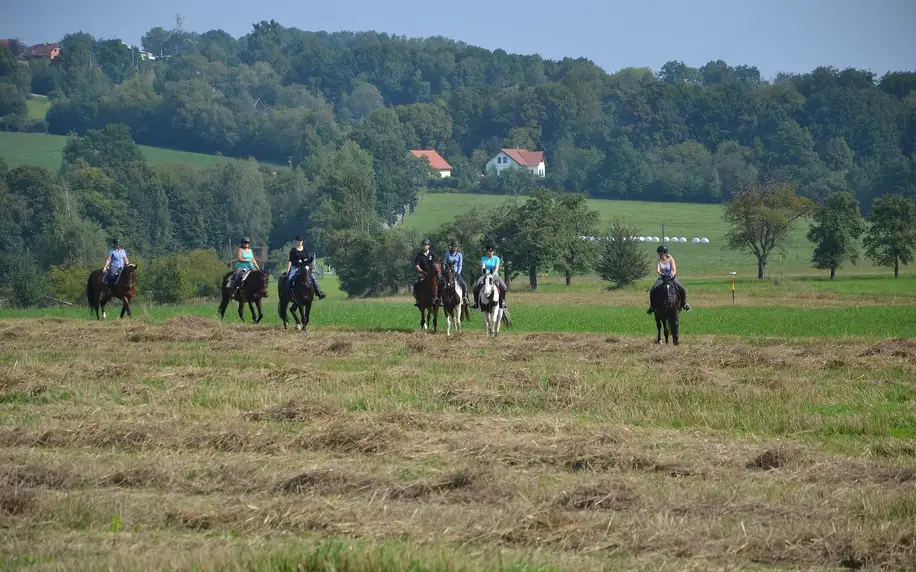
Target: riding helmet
[662, 249]
[114, 242]
[298, 238]
[491, 246]
[425, 241]
[245, 239]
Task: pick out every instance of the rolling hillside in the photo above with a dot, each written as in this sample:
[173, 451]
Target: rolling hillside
[680, 219]
[45, 151]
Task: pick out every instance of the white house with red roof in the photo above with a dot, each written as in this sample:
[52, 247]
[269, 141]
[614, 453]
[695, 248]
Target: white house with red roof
[435, 160]
[515, 158]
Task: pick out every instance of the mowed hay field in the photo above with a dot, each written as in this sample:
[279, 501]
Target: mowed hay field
[173, 440]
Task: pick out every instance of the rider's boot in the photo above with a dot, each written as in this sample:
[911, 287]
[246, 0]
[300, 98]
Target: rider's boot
[686, 307]
[319, 292]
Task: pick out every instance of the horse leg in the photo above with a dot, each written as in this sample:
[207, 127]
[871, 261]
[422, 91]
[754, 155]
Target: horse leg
[658, 326]
[255, 317]
[242, 311]
[306, 316]
[499, 319]
[124, 307]
[222, 307]
[675, 327]
[435, 318]
[102, 303]
[665, 325]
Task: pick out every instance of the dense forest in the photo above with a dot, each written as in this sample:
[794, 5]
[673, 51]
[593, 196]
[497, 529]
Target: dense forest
[283, 95]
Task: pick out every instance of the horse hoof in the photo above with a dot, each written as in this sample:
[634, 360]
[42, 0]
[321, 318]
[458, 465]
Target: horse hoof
[299, 327]
[676, 342]
[104, 316]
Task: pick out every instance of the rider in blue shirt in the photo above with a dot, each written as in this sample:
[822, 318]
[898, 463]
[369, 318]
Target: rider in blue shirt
[667, 267]
[115, 263]
[490, 263]
[455, 259]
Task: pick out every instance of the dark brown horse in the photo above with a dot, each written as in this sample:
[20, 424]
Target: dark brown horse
[453, 301]
[666, 305]
[426, 292]
[300, 296]
[98, 293]
[252, 290]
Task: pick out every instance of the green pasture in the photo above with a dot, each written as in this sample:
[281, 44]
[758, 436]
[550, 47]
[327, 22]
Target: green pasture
[46, 151]
[37, 107]
[683, 220]
[863, 306]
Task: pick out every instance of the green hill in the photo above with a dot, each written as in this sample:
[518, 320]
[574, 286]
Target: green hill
[45, 151]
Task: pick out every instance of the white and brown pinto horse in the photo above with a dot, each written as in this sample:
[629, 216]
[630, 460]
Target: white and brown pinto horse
[453, 301]
[488, 301]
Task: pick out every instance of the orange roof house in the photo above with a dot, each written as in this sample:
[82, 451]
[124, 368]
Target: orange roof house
[435, 160]
[42, 51]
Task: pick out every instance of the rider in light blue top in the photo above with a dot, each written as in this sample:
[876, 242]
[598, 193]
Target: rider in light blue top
[490, 263]
[115, 263]
[244, 263]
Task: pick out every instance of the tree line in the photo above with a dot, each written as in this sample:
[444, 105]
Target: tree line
[280, 94]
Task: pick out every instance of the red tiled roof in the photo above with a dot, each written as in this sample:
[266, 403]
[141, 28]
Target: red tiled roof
[435, 160]
[41, 50]
[525, 157]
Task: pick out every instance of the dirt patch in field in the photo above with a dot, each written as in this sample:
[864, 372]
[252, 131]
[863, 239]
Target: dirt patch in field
[600, 497]
[31, 476]
[354, 436]
[292, 411]
[896, 347]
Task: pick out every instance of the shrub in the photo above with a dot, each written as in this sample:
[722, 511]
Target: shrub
[622, 259]
[68, 282]
[174, 279]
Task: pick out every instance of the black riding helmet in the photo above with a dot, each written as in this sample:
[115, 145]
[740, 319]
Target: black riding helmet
[662, 249]
[491, 246]
[114, 242]
[425, 242]
[244, 240]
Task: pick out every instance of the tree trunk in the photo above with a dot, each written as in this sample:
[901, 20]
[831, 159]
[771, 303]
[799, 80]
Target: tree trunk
[761, 264]
[896, 267]
[568, 278]
[832, 273]
[533, 276]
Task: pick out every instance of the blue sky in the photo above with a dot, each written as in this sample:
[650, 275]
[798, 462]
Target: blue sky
[776, 35]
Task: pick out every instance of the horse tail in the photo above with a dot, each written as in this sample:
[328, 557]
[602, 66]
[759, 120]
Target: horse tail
[89, 297]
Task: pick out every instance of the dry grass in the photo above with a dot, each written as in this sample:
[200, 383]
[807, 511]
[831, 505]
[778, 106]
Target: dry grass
[196, 444]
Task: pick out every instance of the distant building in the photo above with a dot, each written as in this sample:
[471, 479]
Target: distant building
[518, 158]
[435, 160]
[42, 51]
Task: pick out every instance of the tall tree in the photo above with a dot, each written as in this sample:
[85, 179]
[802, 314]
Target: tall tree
[836, 229]
[577, 226]
[760, 218]
[621, 259]
[891, 237]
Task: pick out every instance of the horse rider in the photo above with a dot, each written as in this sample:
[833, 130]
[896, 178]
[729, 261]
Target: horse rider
[424, 264]
[244, 262]
[299, 257]
[114, 264]
[455, 259]
[490, 263]
[667, 268]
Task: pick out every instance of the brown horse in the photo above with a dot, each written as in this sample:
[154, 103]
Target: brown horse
[453, 302]
[252, 290]
[426, 292]
[98, 293]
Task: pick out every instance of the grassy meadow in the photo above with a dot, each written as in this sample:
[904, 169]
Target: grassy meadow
[37, 107]
[685, 220]
[46, 151]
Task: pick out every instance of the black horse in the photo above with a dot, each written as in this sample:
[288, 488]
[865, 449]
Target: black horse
[666, 305]
[252, 290]
[300, 296]
[124, 288]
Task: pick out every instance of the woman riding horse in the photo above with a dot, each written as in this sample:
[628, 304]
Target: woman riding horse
[667, 268]
[490, 263]
[244, 263]
[299, 257]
